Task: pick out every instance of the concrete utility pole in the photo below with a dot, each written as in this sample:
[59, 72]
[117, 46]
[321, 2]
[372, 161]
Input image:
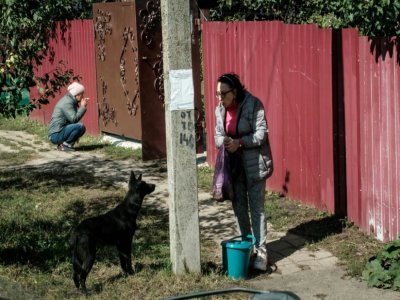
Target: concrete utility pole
[180, 136]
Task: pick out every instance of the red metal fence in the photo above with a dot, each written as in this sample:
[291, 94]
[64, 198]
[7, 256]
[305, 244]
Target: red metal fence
[288, 67]
[77, 51]
[333, 108]
[332, 103]
[372, 104]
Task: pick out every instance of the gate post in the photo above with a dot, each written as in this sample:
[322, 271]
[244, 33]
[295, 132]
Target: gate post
[180, 136]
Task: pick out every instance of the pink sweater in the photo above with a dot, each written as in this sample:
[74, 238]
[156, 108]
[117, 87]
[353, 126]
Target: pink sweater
[230, 121]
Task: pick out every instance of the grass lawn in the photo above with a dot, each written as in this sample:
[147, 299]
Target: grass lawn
[38, 210]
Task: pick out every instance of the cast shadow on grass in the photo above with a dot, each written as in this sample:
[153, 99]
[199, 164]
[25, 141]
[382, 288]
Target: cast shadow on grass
[38, 244]
[92, 147]
[219, 222]
[298, 237]
[78, 172]
[51, 176]
[209, 267]
[43, 244]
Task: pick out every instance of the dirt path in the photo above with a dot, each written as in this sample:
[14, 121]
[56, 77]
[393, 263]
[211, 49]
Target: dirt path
[216, 220]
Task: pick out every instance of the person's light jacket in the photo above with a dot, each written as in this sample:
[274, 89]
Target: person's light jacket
[252, 129]
[66, 111]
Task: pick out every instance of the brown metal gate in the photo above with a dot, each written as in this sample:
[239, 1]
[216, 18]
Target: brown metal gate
[130, 76]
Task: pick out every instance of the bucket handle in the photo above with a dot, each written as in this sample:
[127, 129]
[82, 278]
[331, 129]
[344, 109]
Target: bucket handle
[253, 239]
[248, 237]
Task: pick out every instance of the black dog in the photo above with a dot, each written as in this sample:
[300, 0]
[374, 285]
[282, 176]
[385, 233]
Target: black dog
[116, 227]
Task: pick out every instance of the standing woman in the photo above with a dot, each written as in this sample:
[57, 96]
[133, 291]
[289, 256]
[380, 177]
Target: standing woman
[241, 126]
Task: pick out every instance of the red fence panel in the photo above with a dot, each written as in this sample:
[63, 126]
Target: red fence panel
[307, 115]
[76, 49]
[372, 85]
[351, 94]
[288, 68]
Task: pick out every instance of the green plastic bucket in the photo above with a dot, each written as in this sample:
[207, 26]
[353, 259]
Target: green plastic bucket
[236, 254]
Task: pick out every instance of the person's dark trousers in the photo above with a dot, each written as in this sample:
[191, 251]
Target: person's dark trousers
[70, 134]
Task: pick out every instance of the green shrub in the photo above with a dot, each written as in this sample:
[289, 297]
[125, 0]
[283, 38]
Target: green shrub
[383, 270]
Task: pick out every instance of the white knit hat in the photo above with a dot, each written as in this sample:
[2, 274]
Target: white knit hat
[76, 88]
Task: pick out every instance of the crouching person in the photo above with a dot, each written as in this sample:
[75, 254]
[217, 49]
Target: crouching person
[64, 127]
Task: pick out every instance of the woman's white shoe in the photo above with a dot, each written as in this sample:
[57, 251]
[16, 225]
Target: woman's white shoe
[261, 260]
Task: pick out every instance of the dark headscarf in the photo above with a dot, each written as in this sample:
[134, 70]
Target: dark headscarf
[233, 81]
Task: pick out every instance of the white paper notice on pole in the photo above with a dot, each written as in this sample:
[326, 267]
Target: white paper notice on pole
[182, 94]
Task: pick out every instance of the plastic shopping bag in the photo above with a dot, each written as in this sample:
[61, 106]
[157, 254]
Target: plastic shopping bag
[222, 180]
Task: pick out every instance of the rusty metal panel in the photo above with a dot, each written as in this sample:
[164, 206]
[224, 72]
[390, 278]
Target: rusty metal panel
[196, 67]
[288, 68]
[151, 79]
[117, 70]
[130, 73]
[148, 24]
[76, 48]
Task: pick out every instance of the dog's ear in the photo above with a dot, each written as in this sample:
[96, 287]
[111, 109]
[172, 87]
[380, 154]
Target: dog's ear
[132, 179]
[139, 177]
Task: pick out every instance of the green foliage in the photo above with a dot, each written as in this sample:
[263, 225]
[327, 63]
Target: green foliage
[24, 124]
[371, 17]
[383, 270]
[25, 29]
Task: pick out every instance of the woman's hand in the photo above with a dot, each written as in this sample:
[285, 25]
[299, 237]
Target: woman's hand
[84, 102]
[232, 145]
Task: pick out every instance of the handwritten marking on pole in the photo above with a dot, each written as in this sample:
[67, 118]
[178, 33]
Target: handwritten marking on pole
[186, 135]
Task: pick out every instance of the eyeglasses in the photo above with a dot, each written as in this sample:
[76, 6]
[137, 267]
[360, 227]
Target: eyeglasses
[222, 94]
